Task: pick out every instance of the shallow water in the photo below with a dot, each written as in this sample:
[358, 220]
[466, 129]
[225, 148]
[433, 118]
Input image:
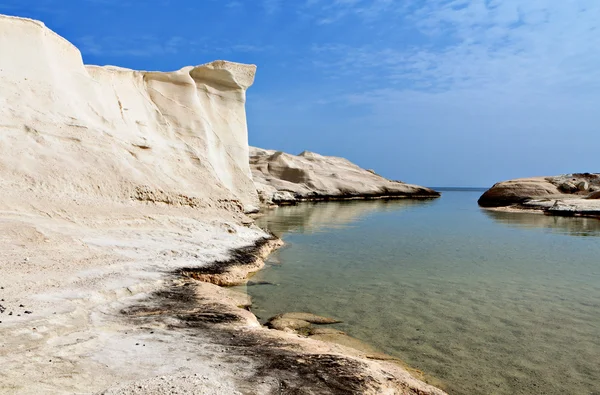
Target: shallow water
[485, 302]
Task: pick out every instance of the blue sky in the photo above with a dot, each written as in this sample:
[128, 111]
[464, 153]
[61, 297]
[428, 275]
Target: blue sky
[436, 92]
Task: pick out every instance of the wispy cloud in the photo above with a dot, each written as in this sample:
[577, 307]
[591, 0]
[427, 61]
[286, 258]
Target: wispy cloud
[271, 6]
[498, 45]
[234, 4]
[331, 11]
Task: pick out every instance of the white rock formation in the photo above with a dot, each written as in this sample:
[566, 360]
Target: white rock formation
[284, 178]
[66, 128]
[112, 181]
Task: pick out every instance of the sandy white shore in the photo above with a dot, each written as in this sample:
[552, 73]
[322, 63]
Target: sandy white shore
[66, 276]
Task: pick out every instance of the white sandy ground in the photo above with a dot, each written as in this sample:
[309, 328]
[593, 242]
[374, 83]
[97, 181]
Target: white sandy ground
[74, 278]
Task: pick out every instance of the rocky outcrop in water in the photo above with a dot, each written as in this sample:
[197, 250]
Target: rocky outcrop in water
[570, 194]
[283, 178]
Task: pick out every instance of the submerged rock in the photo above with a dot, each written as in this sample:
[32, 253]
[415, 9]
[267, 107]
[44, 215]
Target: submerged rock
[284, 324]
[253, 283]
[312, 318]
[348, 341]
[301, 323]
[295, 321]
[325, 331]
[283, 178]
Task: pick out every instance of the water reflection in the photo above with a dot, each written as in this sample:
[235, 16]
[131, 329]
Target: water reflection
[575, 226]
[319, 216]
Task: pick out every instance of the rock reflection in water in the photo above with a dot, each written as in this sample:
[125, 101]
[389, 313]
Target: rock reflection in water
[576, 226]
[318, 216]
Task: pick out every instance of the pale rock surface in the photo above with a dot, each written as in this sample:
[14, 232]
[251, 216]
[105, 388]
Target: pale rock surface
[119, 134]
[284, 178]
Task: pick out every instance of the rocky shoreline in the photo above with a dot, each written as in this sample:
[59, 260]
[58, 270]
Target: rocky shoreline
[283, 360]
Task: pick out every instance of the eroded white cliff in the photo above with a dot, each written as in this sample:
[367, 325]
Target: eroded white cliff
[74, 131]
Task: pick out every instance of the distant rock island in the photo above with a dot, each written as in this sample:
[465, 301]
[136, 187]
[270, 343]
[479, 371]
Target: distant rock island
[283, 178]
[575, 194]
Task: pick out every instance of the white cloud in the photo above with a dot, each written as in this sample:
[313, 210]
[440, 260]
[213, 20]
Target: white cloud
[234, 4]
[327, 12]
[469, 45]
[271, 6]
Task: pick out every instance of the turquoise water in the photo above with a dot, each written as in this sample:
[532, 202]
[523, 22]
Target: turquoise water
[484, 302]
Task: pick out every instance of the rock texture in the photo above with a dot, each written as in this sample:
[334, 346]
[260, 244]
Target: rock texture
[570, 194]
[283, 178]
[176, 138]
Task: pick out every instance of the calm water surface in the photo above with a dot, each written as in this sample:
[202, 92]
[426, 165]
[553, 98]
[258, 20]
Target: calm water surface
[487, 303]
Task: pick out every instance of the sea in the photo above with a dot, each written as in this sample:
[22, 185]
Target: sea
[482, 302]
